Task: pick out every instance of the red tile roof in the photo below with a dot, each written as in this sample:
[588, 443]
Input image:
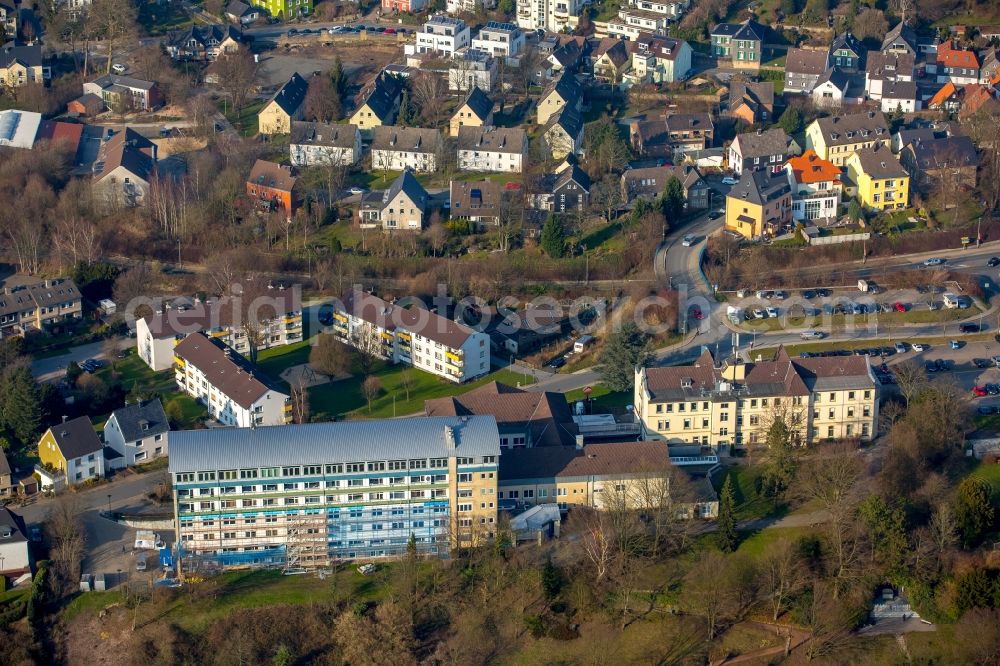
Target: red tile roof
[811, 168]
[975, 96]
[947, 91]
[952, 57]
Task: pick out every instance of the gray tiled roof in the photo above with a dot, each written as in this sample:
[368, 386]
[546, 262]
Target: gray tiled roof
[406, 182]
[142, 419]
[805, 61]
[406, 139]
[835, 129]
[478, 103]
[340, 442]
[492, 139]
[879, 162]
[291, 95]
[322, 134]
[762, 144]
[76, 437]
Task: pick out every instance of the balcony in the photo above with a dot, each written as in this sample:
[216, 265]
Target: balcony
[179, 363]
[404, 336]
[340, 317]
[455, 358]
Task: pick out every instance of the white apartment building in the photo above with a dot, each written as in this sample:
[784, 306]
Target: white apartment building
[319, 144]
[472, 69]
[138, 432]
[672, 9]
[816, 187]
[497, 149]
[413, 336]
[157, 334]
[551, 15]
[633, 22]
[443, 35]
[399, 148]
[232, 390]
[456, 6]
[499, 39]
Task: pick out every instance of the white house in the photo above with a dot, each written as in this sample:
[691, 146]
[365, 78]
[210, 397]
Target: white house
[672, 9]
[816, 187]
[414, 336]
[472, 69]
[633, 22]
[15, 553]
[500, 40]
[398, 148]
[900, 96]
[442, 35]
[138, 432]
[319, 144]
[233, 391]
[551, 15]
[499, 149]
[658, 59]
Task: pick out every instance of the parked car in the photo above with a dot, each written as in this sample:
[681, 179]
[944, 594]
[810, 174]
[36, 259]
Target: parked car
[557, 362]
[900, 347]
[688, 240]
[729, 180]
[356, 189]
[390, 31]
[981, 363]
[696, 313]
[979, 391]
[824, 293]
[985, 409]
[992, 388]
[993, 262]
[759, 314]
[780, 295]
[714, 215]
[898, 307]
[955, 344]
[811, 335]
[808, 294]
[772, 312]
[933, 261]
[969, 328]
[119, 68]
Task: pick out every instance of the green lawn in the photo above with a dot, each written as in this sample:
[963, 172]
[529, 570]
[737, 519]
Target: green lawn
[245, 121]
[132, 373]
[989, 472]
[276, 360]
[603, 398]
[158, 18]
[795, 350]
[749, 503]
[344, 398]
[913, 316]
[755, 543]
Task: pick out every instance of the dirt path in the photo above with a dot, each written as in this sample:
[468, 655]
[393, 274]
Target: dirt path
[793, 639]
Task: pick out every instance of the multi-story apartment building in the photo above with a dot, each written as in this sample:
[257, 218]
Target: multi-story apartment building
[347, 490]
[632, 22]
[672, 9]
[472, 69]
[320, 144]
[658, 59]
[502, 40]
[760, 204]
[740, 45]
[442, 35]
[414, 336]
[551, 15]
[499, 149]
[956, 65]
[157, 334]
[817, 398]
[397, 148]
[816, 187]
[803, 69]
[882, 182]
[31, 306]
[835, 138]
[235, 393]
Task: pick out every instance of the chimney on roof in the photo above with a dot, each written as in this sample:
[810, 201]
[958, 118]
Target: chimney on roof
[65, 418]
[579, 442]
[449, 438]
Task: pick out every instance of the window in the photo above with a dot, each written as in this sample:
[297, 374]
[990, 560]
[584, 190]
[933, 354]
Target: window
[465, 478]
[464, 508]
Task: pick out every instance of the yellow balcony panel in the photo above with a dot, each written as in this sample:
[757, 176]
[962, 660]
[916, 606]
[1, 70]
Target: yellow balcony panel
[339, 316]
[179, 361]
[454, 357]
[403, 336]
[387, 336]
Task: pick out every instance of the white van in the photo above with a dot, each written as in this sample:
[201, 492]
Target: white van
[951, 301]
[811, 335]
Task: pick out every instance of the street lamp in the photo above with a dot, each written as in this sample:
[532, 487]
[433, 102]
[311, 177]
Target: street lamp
[109, 504]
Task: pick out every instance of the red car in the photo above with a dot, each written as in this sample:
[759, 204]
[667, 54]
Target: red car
[980, 392]
[389, 31]
[696, 313]
[899, 307]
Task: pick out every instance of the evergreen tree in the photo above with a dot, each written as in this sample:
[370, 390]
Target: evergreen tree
[405, 111]
[974, 510]
[553, 240]
[673, 199]
[791, 120]
[624, 349]
[20, 405]
[552, 579]
[726, 536]
[855, 211]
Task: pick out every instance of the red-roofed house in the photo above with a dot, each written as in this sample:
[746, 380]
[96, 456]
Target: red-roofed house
[947, 98]
[974, 97]
[957, 65]
[816, 187]
[65, 134]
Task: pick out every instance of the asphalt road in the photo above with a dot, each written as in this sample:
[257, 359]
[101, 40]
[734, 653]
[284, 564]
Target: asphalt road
[54, 367]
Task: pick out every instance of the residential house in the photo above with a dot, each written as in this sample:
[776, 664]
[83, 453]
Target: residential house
[561, 92]
[497, 149]
[414, 336]
[948, 97]
[442, 36]
[9, 19]
[751, 102]
[138, 432]
[951, 162]
[956, 65]
[22, 64]
[501, 40]
[882, 182]
[125, 167]
[7, 485]
[378, 104]
[734, 403]
[124, 93]
[803, 69]
[672, 9]
[563, 133]
[285, 106]
[567, 54]
[610, 60]
[34, 305]
[481, 203]
[402, 206]
[816, 187]
[657, 59]
[73, 450]
[15, 551]
[847, 53]
[397, 148]
[284, 10]
[524, 419]
[408, 6]
[476, 110]
[88, 105]
[905, 136]
[241, 13]
[234, 391]
[632, 22]
[433, 479]
[649, 184]
[203, 42]
[471, 6]
[837, 88]
[989, 67]
[974, 97]
[740, 45]
[565, 191]
[883, 69]
[681, 132]
[598, 476]
[472, 69]
[836, 138]
[901, 39]
[900, 97]
[550, 15]
[320, 144]
[763, 149]
[279, 318]
[760, 204]
[271, 188]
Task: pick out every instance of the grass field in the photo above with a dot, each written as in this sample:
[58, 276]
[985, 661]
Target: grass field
[603, 398]
[989, 472]
[941, 316]
[931, 341]
[132, 373]
[245, 121]
[750, 504]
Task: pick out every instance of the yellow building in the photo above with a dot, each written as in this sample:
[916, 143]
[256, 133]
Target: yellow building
[616, 475]
[736, 404]
[379, 105]
[883, 183]
[836, 138]
[760, 204]
[277, 115]
[21, 65]
[562, 92]
[73, 449]
[475, 111]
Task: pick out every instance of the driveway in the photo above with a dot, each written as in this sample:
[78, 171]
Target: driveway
[54, 367]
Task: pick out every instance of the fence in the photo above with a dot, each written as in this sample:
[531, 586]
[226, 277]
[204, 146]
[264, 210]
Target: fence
[842, 238]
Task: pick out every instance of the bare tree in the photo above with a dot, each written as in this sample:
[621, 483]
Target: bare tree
[596, 541]
[367, 340]
[114, 22]
[237, 74]
[911, 379]
[437, 236]
[371, 387]
[428, 91]
[781, 575]
[300, 400]
[508, 221]
[406, 381]
[330, 356]
[703, 593]
[66, 539]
